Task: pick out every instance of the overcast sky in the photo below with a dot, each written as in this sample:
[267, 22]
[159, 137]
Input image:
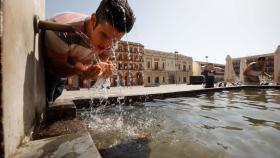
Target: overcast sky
[197, 28]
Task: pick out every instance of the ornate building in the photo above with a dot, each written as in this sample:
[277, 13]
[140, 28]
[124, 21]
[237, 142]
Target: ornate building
[269, 65]
[166, 68]
[130, 64]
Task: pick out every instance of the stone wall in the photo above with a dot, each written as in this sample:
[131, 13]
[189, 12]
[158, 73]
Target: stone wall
[1, 109]
[23, 96]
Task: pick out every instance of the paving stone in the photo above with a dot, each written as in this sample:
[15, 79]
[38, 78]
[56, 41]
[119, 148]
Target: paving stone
[76, 145]
[58, 128]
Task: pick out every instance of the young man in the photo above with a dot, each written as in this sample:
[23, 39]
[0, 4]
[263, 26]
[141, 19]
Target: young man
[253, 71]
[80, 52]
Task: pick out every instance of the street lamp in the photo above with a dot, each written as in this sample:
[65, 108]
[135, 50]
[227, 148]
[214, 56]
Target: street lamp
[176, 65]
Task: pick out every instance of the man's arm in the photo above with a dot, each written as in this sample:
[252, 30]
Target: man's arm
[58, 64]
[248, 68]
[266, 74]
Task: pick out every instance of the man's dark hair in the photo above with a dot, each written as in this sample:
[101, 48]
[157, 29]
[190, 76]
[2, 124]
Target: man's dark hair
[117, 12]
[261, 58]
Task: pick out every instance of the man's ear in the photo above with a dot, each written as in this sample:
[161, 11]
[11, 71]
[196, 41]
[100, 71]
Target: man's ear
[93, 19]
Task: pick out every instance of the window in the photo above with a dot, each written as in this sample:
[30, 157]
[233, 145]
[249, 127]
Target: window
[120, 48]
[163, 79]
[156, 65]
[120, 57]
[184, 68]
[149, 80]
[157, 80]
[149, 65]
[140, 67]
[163, 66]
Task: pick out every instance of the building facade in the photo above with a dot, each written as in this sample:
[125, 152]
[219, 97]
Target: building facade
[269, 65]
[128, 60]
[130, 65]
[166, 68]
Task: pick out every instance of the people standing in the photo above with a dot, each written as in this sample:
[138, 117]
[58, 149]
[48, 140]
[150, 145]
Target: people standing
[209, 75]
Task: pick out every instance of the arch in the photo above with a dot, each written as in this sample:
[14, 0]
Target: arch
[139, 78]
[128, 79]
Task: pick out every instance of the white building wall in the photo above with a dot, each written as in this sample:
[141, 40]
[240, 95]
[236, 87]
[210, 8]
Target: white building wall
[170, 71]
[23, 79]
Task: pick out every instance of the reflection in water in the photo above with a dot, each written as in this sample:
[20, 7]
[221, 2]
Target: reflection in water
[242, 123]
[211, 95]
[226, 127]
[134, 148]
[256, 122]
[259, 95]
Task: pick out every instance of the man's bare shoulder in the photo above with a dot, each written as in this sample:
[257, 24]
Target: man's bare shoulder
[68, 17]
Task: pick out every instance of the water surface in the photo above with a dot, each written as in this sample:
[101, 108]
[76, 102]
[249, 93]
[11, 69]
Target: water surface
[240, 123]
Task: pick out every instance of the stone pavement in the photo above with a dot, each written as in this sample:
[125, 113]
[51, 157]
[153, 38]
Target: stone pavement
[126, 91]
[72, 145]
[63, 139]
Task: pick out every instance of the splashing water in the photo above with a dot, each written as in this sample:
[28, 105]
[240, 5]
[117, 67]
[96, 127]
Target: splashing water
[106, 118]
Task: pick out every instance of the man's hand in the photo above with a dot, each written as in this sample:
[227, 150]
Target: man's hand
[107, 68]
[95, 71]
[86, 72]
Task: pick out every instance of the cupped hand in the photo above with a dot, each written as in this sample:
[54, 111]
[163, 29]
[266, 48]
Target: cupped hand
[107, 68]
[93, 71]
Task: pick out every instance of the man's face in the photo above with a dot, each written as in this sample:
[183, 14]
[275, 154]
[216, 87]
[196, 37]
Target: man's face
[102, 37]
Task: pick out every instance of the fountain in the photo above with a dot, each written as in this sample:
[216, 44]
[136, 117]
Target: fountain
[219, 122]
[214, 122]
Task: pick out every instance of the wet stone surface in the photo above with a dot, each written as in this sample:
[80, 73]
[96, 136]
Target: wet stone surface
[73, 145]
[64, 138]
[61, 109]
[59, 128]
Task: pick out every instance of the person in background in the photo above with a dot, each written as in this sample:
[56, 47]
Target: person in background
[209, 75]
[253, 71]
[86, 51]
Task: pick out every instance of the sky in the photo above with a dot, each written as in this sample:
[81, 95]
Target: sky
[196, 28]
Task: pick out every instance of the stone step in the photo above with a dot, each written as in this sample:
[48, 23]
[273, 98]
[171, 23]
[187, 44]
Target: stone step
[75, 145]
[61, 109]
